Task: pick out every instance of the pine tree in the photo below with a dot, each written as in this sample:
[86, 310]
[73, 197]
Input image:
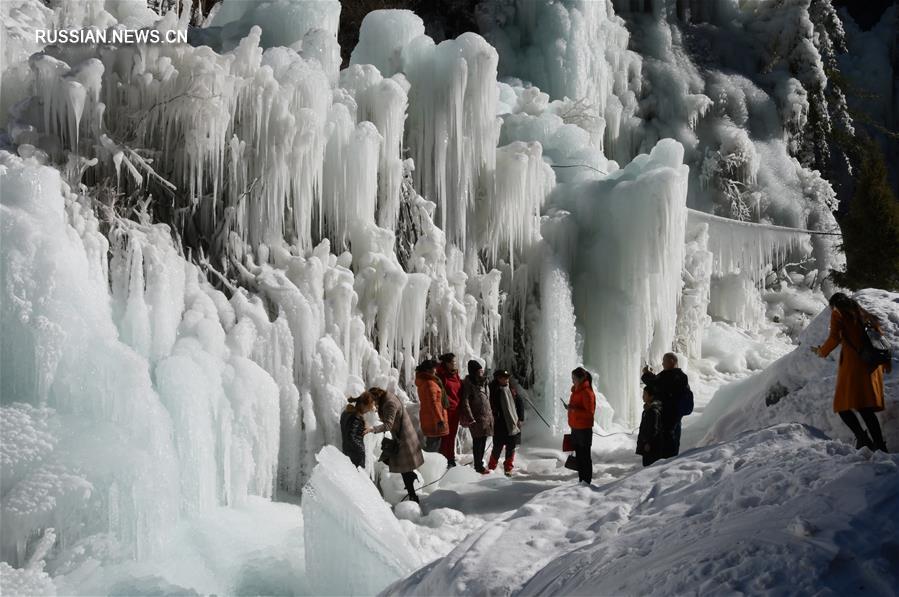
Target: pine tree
[871, 227]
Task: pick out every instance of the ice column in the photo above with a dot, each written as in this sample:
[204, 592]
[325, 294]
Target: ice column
[627, 273]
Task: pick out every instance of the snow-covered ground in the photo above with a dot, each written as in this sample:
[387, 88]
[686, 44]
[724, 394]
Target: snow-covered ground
[783, 510]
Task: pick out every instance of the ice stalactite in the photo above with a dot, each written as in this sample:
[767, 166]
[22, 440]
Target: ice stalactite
[523, 180]
[749, 247]
[627, 278]
[383, 102]
[452, 128]
[692, 312]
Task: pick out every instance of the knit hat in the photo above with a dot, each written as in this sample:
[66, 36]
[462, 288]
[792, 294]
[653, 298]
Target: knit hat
[473, 367]
[501, 373]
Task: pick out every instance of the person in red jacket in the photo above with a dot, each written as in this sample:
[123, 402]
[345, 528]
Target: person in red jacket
[448, 372]
[432, 413]
[581, 410]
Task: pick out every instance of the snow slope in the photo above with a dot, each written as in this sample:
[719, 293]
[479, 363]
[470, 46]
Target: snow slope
[799, 386]
[777, 511]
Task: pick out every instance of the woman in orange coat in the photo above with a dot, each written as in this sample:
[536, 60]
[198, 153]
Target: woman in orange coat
[431, 399]
[581, 410]
[859, 387]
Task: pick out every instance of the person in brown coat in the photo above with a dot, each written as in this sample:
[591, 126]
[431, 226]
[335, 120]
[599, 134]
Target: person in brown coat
[475, 412]
[395, 419]
[432, 400]
[859, 386]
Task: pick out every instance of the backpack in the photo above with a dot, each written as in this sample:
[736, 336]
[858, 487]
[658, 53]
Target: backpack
[685, 402]
[875, 350]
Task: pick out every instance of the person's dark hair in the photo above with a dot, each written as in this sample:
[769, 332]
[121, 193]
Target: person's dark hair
[649, 390]
[851, 310]
[377, 394]
[501, 373]
[426, 365]
[447, 358]
[361, 403]
[670, 355]
[582, 374]
[474, 367]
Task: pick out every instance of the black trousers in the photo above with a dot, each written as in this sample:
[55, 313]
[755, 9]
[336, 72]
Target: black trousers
[409, 481]
[478, 446]
[583, 441]
[671, 443]
[869, 416]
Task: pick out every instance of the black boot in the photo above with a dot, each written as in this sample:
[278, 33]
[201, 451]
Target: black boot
[861, 436]
[873, 425]
[863, 441]
[409, 482]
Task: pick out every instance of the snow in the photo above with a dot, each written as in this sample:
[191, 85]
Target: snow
[810, 513]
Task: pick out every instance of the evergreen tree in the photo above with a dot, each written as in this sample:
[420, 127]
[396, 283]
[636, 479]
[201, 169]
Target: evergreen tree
[871, 227]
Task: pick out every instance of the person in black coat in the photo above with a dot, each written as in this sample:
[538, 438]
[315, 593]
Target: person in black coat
[353, 428]
[650, 438]
[667, 386]
[508, 416]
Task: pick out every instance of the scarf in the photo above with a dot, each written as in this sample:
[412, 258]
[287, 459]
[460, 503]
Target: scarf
[510, 414]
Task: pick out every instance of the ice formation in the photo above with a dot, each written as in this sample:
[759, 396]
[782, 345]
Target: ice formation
[241, 233]
[347, 523]
[628, 282]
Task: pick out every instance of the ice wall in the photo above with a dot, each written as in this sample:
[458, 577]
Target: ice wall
[627, 270]
[354, 544]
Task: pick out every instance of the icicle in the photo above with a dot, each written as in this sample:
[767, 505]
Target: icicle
[749, 247]
[512, 218]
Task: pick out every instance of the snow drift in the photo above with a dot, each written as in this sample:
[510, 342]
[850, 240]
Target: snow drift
[799, 387]
[781, 507]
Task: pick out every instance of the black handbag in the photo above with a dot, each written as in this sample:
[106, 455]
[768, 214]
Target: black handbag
[571, 462]
[389, 447]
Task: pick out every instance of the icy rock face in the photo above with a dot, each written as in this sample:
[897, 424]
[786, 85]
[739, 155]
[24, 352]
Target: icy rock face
[627, 281]
[346, 522]
[799, 387]
[775, 488]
